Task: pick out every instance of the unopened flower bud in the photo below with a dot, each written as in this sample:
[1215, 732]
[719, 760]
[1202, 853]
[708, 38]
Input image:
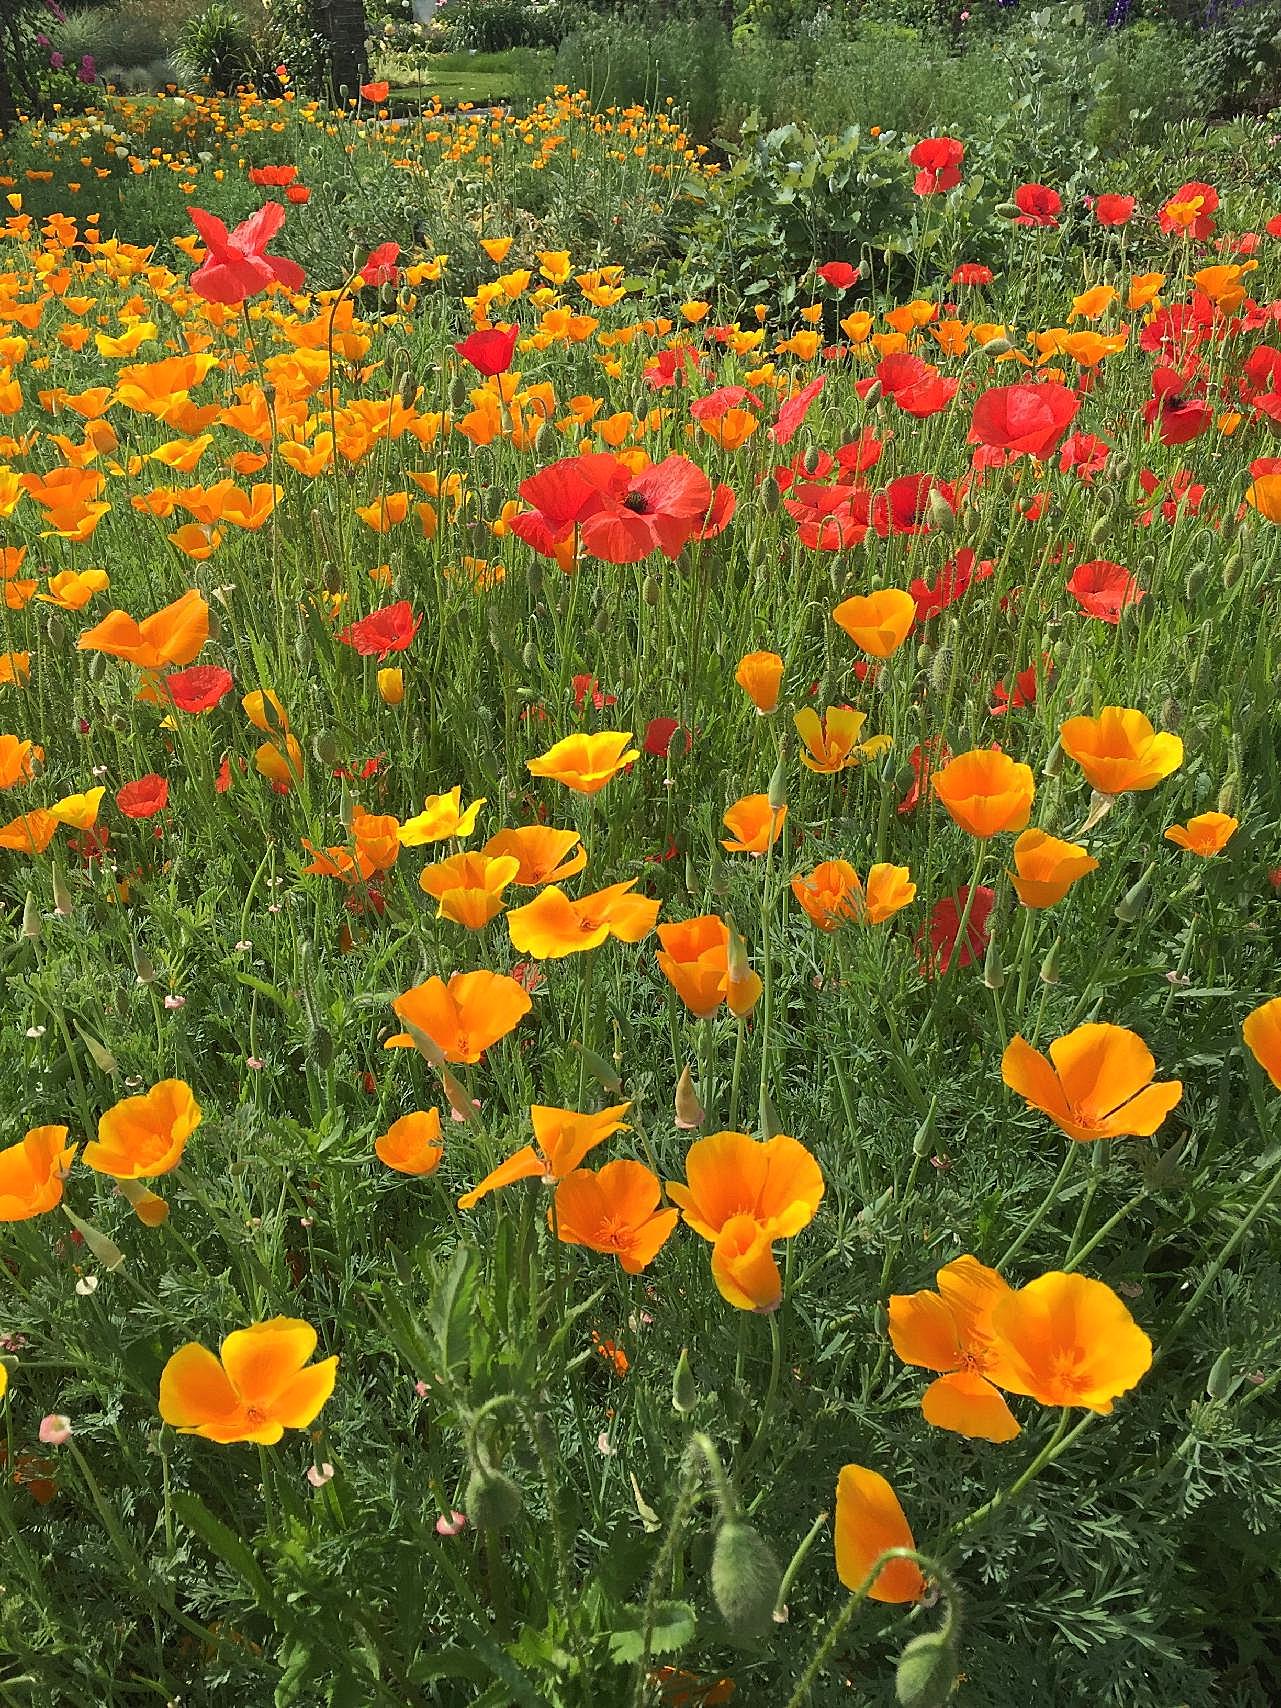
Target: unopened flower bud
[690, 1113]
[926, 1671]
[1135, 900]
[745, 1578]
[684, 1388]
[492, 1500]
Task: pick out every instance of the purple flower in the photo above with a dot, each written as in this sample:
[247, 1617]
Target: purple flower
[55, 61]
[87, 71]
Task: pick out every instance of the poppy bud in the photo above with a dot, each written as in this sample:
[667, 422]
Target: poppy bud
[1120, 468]
[942, 515]
[771, 1126]
[993, 971]
[873, 394]
[1219, 1383]
[346, 807]
[1194, 581]
[971, 519]
[651, 590]
[563, 605]
[880, 1318]
[603, 621]
[1008, 210]
[1135, 900]
[941, 669]
[30, 918]
[745, 1578]
[529, 655]
[105, 1251]
[143, 967]
[1053, 760]
[689, 1111]
[150, 1209]
[1050, 965]
[1162, 1172]
[63, 904]
[770, 495]
[408, 389]
[1227, 793]
[320, 1047]
[605, 1072]
[812, 461]
[391, 685]
[325, 749]
[1100, 531]
[923, 1143]
[492, 1500]
[55, 629]
[777, 796]
[997, 347]
[1232, 569]
[458, 389]
[924, 653]
[684, 1390]
[926, 1671]
[97, 666]
[1171, 713]
[534, 575]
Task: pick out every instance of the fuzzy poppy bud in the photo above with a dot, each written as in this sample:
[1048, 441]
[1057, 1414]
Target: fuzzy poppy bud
[1050, 965]
[689, 1111]
[942, 515]
[651, 590]
[941, 669]
[924, 653]
[997, 347]
[684, 1389]
[926, 1671]
[529, 655]
[325, 749]
[603, 621]
[1232, 569]
[770, 495]
[458, 389]
[812, 461]
[492, 1500]
[1120, 468]
[1227, 794]
[1194, 581]
[745, 1578]
[1100, 531]
[97, 666]
[30, 918]
[408, 389]
[1008, 210]
[873, 394]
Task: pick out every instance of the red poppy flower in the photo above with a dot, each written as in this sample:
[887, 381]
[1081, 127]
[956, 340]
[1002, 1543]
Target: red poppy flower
[1273, 227]
[299, 194]
[585, 685]
[938, 164]
[838, 274]
[490, 352]
[1025, 686]
[381, 632]
[949, 584]
[792, 413]
[1031, 416]
[716, 403]
[1178, 418]
[200, 688]
[936, 941]
[1086, 453]
[829, 518]
[1104, 589]
[145, 797]
[273, 177]
[904, 507]
[1190, 211]
[670, 365]
[238, 266]
[376, 92]
[381, 268]
[661, 509]
[1111, 209]
[719, 515]
[561, 495]
[972, 273]
[924, 759]
[659, 733]
[1038, 204]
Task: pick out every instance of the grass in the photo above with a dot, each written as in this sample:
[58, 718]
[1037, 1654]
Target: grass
[476, 78]
[526, 1479]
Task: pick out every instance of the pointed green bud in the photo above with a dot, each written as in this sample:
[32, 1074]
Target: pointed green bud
[745, 1579]
[144, 969]
[923, 1143]
[63, 904]
[105, 1251]
[1053, 760]
[993, 970]
[684, 1388]
[689, 1111]
[1219, 1383]
[30, 918]
[605, 1073]
[1135, 900]
[1050, 965]
[778, 782]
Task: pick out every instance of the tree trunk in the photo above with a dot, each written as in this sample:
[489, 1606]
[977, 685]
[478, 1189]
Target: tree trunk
[343, 25]
[8, 107]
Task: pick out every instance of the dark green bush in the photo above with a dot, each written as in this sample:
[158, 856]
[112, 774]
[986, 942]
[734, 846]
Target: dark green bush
[490, 26]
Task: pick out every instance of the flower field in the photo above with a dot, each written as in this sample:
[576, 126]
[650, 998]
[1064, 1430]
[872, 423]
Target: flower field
[642, 985]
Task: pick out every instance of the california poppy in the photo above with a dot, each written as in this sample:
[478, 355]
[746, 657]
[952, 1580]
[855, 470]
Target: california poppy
[1045, 868]
[562, 1138]
[543, 854]
[461, 1018]
[775, 1181]
[615, 1211]
[442, 816]
[951, 1332]
[753, 825]
[1119, 750]
[469, 887]
[759, 675]
[985, 791]
[1261, 1030]
[173, 635]
[1097, 1084]
[259, 1385]
[32, 1173]
[412, 1145]
[880, 622]
[552, 925]
[1207, 834]
[695, 959]
[1066, 1340]
[831, 743]
[139, 1137]
[869, 1522]
[585, 763]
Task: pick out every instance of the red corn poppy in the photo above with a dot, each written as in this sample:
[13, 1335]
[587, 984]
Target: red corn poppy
[145, 797]
[1031, 416]
[200, 688]
[237, 265]
[661, 509]
[972, 273]
[1110, 209]
[792, 413]
[938, 164]
[490, 352]
[1190, 211]
[376, 92]
[936, 941]
[382, 632]
[381, 268]
[949, 584]
[838, 274]
[1038, 205]
[1104, 589]
[659, 735]
[273, 177]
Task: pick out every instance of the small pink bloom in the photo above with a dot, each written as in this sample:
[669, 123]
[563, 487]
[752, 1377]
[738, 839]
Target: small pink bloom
[319, 1475]
[173, 1003]
[55, 1430]
[449, 1524]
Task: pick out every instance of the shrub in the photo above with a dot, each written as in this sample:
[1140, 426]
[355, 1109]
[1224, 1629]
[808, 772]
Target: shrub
[489, 26]
[216, 46]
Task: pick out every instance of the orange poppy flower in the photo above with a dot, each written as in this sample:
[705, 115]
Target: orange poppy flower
[1045, 868]
[14, 667]
[1119, 750]
[461, 1018]
[413, 1144]
[32, 1173]
[552, 925]
[144, 1136]
[754, 824]
[888, 890]
[263, 709]
[833, 893]
[585, 763]
[29, 833]
[72, 589]
[173, 635]
[1264, 495]
[760, 675]
[744, 1268]
[17, 760]
[1100, 1085]
[469, 887]
[774, 1181]
[442, 816]
[543, 854]
[985, 791]
[1261, 1030]
[562, 1139]
[879, 623]
[377, 839]
[1066, 1340]
[615, 1211]
[259, 1386]
[78, 811]
[1207, 834]
[869, 1521]
[695, 958]
[281, 765]
[831, 743]
[951, 1331]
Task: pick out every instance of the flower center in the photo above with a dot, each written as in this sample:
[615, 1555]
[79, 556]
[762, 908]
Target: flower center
[637, 502]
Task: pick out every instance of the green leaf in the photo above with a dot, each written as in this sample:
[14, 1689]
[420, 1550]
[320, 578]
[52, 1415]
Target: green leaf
[449, 1313]
[234, 1553]
[674, 1626]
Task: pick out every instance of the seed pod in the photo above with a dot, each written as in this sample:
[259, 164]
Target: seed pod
[684, 1388]
[492, 1500]
[926, 1671]
[777, 796]
[104, 1251]
[745, 1579]
[1053, 760]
